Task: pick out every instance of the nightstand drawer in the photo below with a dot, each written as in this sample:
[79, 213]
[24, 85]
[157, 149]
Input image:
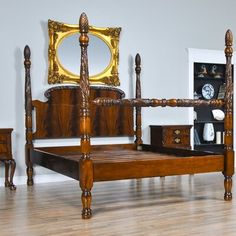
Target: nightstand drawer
[3, 148]
[5, 144]
[3, 138]
[175, 131]
[176, 140]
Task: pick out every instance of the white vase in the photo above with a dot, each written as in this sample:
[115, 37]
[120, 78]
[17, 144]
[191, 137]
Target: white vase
[208, 132]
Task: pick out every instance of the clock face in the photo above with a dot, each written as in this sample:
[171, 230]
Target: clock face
[208, 91]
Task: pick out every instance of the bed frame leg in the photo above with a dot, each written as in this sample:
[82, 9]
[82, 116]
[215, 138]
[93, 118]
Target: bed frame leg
[29, 171]
[29, 168]
[228, 187]
[86, 184]
[86, 198]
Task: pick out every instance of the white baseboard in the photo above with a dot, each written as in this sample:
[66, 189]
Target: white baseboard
[49, 178]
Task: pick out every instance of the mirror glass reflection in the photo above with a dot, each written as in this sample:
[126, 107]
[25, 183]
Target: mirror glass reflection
[99, 55]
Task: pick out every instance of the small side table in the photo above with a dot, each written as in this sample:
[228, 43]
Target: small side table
[6, 157]
[173, 136]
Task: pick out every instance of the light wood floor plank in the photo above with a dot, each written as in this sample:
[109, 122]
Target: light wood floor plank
[179, 205]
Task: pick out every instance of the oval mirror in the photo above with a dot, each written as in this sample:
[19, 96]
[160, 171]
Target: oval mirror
[69, 50]
[64, 54]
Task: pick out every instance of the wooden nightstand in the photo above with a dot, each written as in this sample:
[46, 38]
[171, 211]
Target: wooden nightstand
[6, 157]
[175, 136]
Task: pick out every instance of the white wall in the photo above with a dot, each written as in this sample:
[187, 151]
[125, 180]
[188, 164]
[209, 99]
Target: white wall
[160, 30]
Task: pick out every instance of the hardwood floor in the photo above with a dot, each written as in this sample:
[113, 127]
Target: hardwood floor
[178, 205]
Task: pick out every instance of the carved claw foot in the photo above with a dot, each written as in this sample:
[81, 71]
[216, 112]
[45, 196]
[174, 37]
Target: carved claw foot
[10, 185]
[7, 184]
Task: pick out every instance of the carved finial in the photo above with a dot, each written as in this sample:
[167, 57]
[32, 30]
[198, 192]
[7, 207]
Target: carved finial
[27, 52]
[137, 63]
[83, 23]
[228, 38]
[27, 62]
[137, 59]
[228, 43]
[84, 73]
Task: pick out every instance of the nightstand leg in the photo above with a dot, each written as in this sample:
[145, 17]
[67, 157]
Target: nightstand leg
[13, 167]
[12, 164]
[7, 183]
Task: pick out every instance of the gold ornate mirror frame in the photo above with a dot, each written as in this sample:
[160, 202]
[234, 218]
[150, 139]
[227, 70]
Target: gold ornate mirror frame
[58, 74]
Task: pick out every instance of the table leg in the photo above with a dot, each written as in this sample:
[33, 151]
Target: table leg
[12, 164]
[7, 183]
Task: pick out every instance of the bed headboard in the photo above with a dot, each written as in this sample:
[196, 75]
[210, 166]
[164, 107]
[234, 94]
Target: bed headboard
[59, 117]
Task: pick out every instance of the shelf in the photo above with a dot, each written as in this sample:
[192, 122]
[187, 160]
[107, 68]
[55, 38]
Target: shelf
[209, 121]
[208, 145]
[207, 99]
[209, 78]
[204, 114]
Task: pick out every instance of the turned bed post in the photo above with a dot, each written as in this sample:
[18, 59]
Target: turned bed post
[28, 116]
[138, 117]
[86, 164]
[228, 122]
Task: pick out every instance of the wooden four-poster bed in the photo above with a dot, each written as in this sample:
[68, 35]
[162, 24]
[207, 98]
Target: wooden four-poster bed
[84, 111]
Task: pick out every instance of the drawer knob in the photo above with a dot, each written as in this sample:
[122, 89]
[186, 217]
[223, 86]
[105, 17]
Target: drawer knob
[177, 140]
[177, 131]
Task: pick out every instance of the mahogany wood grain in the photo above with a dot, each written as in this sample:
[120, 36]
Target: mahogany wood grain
[59, 116]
